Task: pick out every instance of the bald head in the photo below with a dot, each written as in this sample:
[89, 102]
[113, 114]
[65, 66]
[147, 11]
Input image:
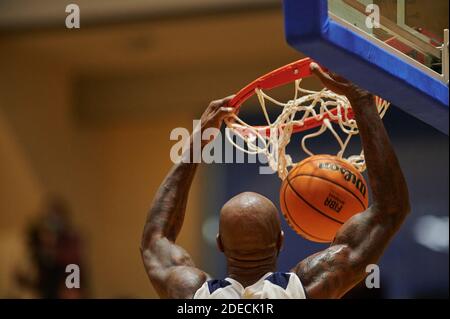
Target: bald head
[249, 223]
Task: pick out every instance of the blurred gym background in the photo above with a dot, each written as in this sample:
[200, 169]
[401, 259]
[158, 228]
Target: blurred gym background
[85, 119]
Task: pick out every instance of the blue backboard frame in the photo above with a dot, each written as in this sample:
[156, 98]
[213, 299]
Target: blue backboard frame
[309, 29]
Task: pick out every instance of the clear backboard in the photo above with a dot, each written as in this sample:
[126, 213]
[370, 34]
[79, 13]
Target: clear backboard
[405, 25]
[397, 49]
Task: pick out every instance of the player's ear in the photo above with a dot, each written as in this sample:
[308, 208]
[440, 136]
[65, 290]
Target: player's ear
[280, 241]
[219, 242]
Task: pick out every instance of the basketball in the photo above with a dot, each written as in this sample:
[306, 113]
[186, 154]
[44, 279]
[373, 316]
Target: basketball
[320, 194]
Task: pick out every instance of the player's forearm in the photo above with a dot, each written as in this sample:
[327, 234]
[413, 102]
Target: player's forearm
[167, 211]
[389, 189]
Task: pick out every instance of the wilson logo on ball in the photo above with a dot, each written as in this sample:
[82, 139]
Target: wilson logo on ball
[348, 175]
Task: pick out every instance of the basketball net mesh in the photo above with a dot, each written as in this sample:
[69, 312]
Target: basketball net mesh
[325, 107]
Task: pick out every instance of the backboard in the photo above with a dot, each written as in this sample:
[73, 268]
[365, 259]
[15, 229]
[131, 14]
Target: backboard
[396, 49]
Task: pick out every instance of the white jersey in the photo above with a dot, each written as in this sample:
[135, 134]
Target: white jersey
[276, 285]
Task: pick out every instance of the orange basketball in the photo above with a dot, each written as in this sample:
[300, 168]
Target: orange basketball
[320, 194]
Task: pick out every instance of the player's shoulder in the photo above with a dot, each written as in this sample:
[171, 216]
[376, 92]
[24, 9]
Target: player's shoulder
[184, 281]
[286, 283]
[281, 279]
[274, 285]
[217, 288]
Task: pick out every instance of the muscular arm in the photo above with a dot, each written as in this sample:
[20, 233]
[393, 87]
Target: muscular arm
[364, 237]
[169, 267]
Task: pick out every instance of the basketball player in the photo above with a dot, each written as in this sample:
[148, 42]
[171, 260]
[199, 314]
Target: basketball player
[250, 235]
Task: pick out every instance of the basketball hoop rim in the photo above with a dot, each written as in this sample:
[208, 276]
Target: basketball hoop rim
[284, 75]
[288, 73]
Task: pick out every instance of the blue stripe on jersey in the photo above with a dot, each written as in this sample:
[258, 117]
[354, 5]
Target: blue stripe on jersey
[215, 284]
[280, 279]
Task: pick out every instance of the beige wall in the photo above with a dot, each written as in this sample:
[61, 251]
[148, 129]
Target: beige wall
[19, 197]
[108, 175]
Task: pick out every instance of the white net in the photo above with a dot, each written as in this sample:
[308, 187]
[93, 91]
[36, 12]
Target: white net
[328, 110]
